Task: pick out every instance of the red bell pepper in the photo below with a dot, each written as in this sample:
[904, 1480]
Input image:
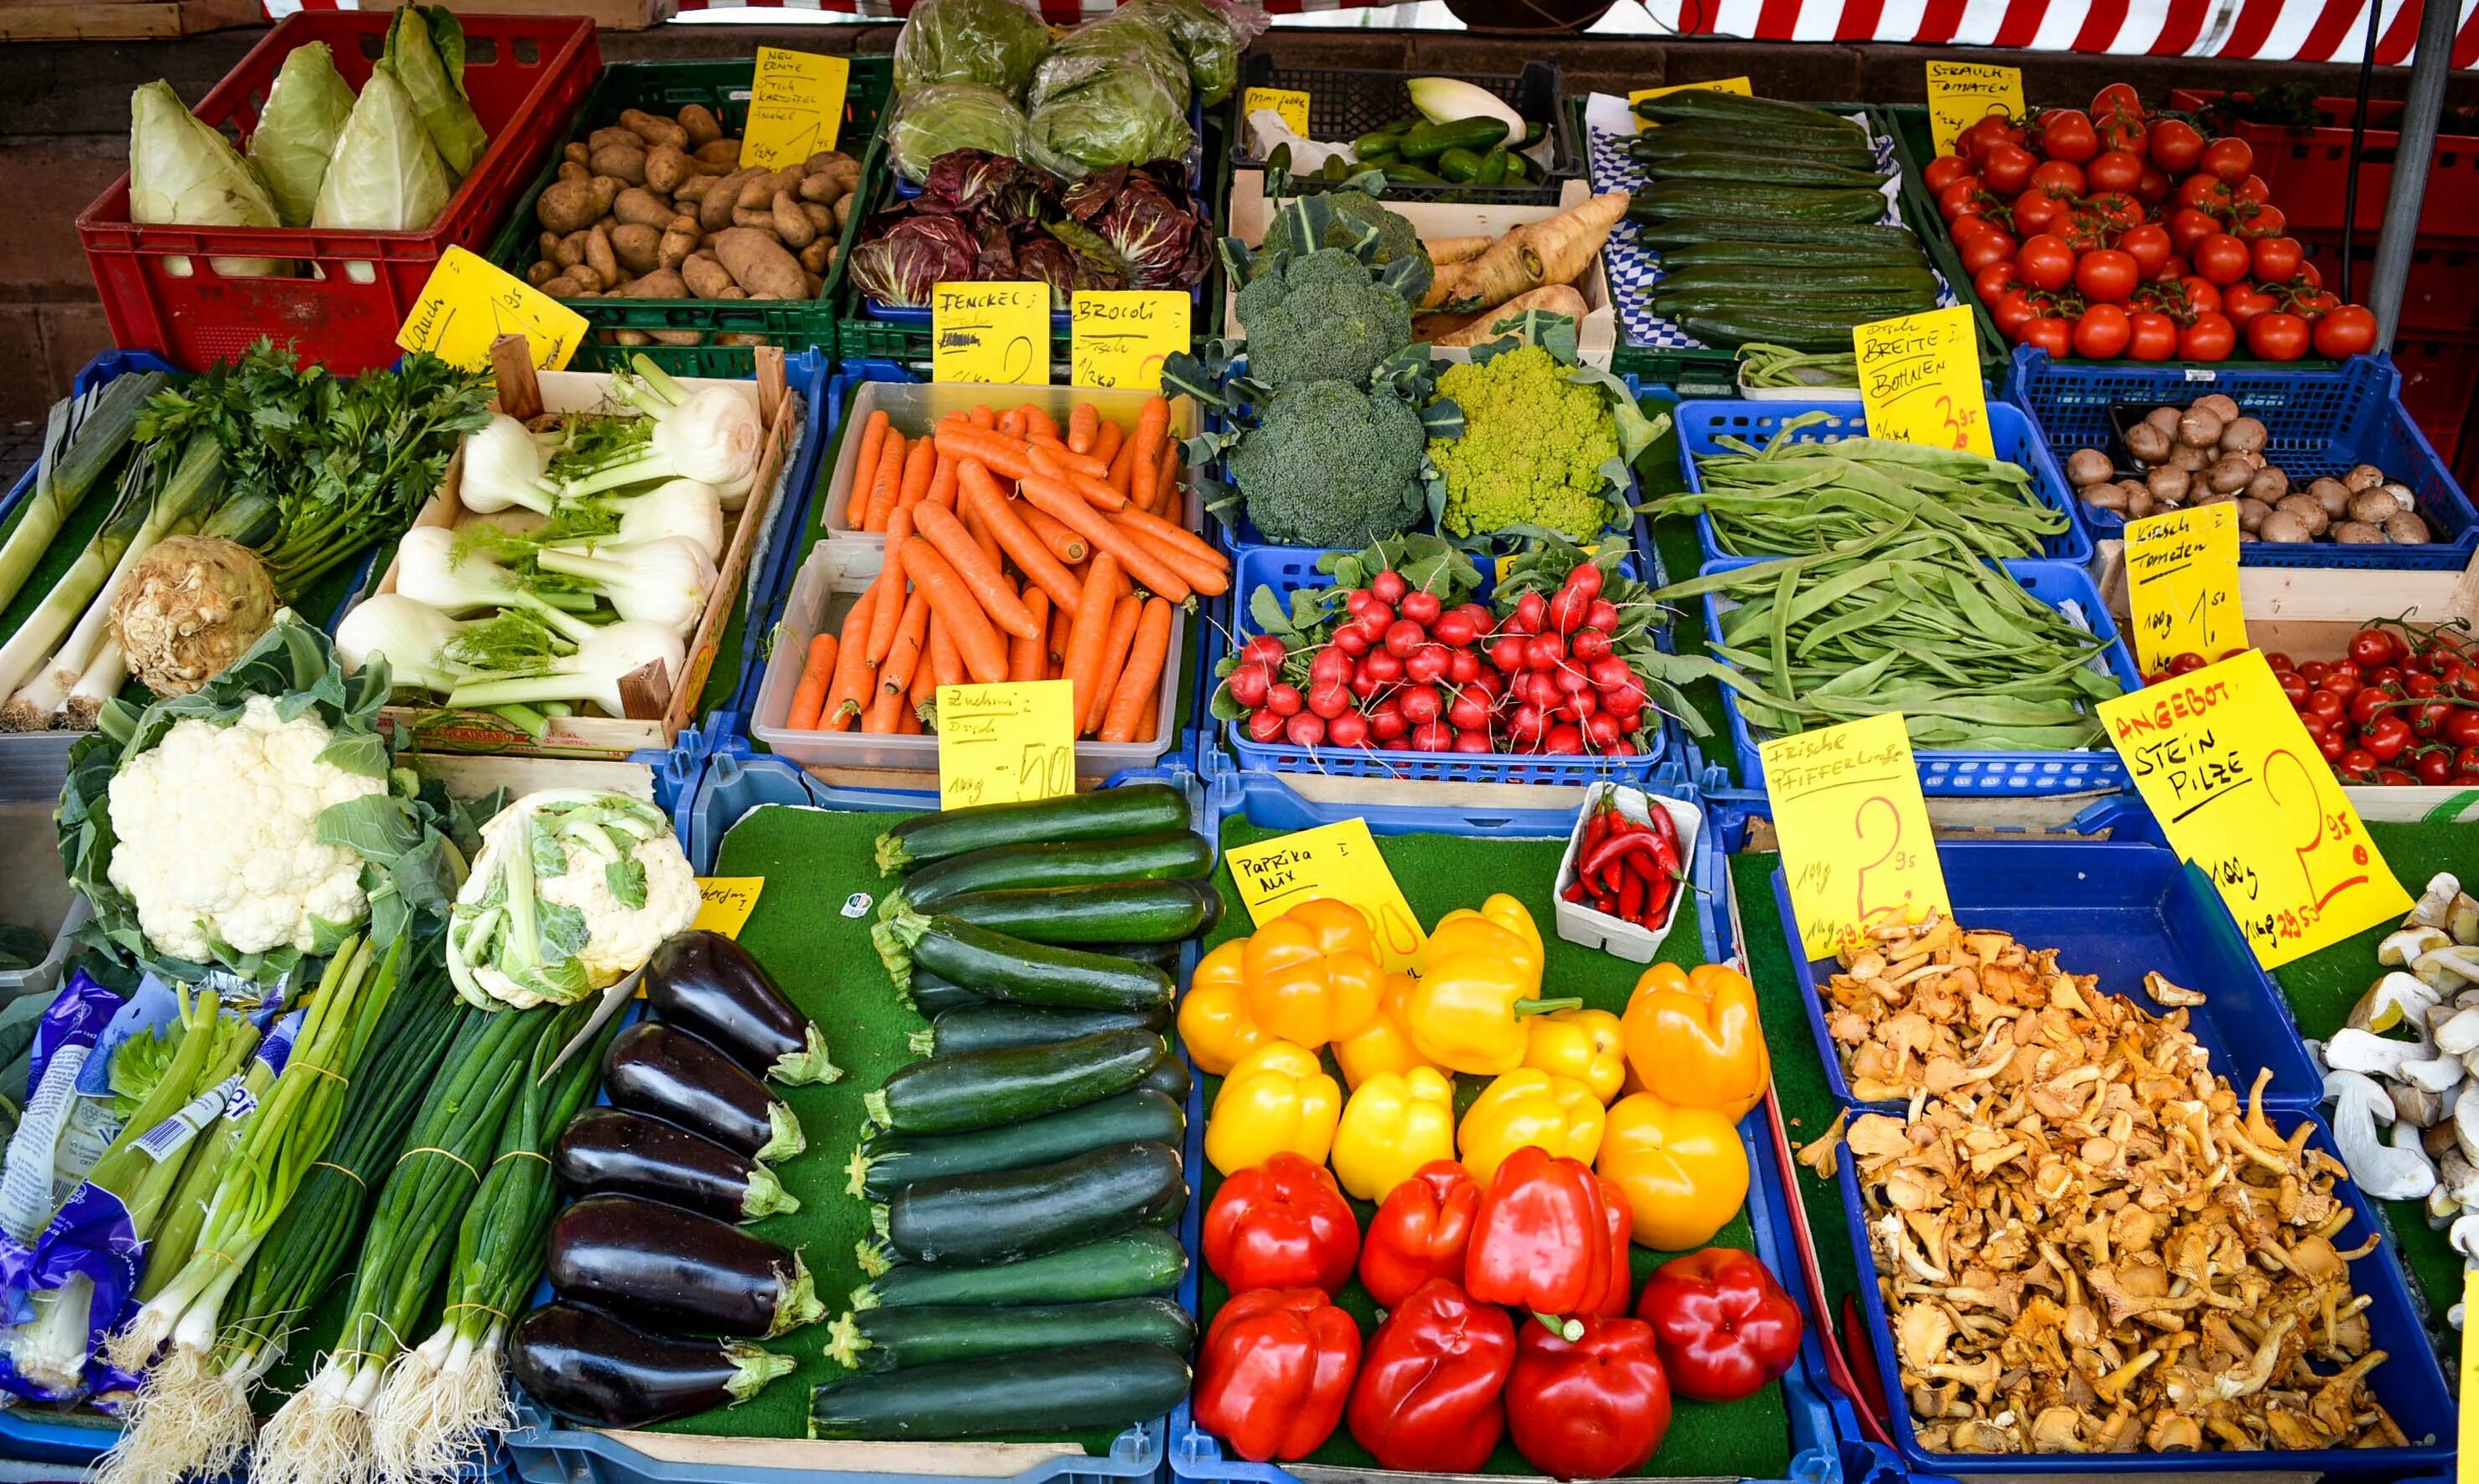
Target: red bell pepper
[1427, 1398]
[1622, 1227]
[1724, 1324]
[1420, 1233]
[1541, 1239]
[1275, 1370]
[1282, 1224]
[1593, 1408]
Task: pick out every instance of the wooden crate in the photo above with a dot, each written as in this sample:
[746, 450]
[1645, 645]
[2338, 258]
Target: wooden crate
[121, 20]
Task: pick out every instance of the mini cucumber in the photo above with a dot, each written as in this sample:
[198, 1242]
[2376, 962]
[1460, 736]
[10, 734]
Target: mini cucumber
[990, 1026]
[1493, 168]
[887, 1163]
[1002, 967]
[1378, 141]
[983, 1088]
[1000, 1216]
[929, 1334]
[1459, 165]
[1401, 174]
[1429, 140]
[1130, 1265]
[1104, 814]
[1038, 1393]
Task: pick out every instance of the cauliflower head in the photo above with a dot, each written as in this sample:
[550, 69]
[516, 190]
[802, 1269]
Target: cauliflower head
[1332, 465]
[219, 836]
[1532, 448]
[572, 891]
[1322, 317]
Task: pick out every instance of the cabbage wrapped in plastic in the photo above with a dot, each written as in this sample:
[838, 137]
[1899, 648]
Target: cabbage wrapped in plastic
[1093, 52]
[1125, 115]
[297, 130]
[1209, 34]
[182, 172]
[947, 117]
[386, 176]
[425, 50]
[993, 42]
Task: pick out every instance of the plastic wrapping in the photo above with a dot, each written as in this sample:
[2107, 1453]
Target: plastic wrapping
[993, 42]
[944, 117]
[1209, 35]
[1123, 116]
[1092, 53]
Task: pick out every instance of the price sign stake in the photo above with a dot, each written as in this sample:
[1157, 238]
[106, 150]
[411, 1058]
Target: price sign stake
[1339, 862]
[1289, 103]
[467, 303]
[2241, 791]
[995, 333]
[1737, 85]
[2182, 584]
[1962, 93]
[1120, 336]
[1855, 841]
[796, 107]
[1006, 744]
[1919, 379]
[725, 903]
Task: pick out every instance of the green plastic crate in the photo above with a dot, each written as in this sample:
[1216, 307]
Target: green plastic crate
[723, 85]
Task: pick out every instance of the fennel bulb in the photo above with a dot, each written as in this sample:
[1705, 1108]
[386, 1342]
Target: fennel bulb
[431, 569]
[503, 470]
[409, 634]
[685, 509]
[592, 674]
[712, 435]
[665, 582]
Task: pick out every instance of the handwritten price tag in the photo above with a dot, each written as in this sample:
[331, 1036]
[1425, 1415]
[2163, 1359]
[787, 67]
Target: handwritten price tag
[1006, 744]
[466, 304]
[2241, 791]
[990, 332]
[1854, 833]
[725, 903]
[1289, 103]
[1962, 93]
[2467, 1470]
[2182, 584]
[1919, 378]
[1118, 336]
[1737, 85]
[796, 107]
[1339, 862]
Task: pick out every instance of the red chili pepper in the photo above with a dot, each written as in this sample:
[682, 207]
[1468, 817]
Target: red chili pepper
[1275, 1371]
[1725, 1326]
[1631, 897]
[1574, 891]
[1621, 1229]
[1282, 1224]
[1596, 829]
[1592, 1408]
[1540, 1241]
[1656, 906]
[1420, 1231]
[1606, 862]
[1427, 1398]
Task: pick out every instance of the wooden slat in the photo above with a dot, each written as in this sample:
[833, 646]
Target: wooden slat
[121, 20]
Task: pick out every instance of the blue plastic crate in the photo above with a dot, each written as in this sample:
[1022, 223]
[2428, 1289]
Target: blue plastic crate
[1286, 569]
[2118, 910]
[1702, 424]
[1819, 1418]
[2321, 421]
[1974, 774]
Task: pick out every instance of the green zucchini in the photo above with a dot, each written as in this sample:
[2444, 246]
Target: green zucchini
[1682, 232]
[982, 1088]
[1000, 1216]
[1038, 1393]
[1169, 1077]
[1431, 140]
[1698, 200]
[1161, 956]
[1119, 912]
[1173, 855]
[929, 1334]
[1130, 1265]
[1763, 170]
[988, 1027]
[1460, 164]
[932, 996]
[1104, 814]
[1002, 967]
[887, 1163]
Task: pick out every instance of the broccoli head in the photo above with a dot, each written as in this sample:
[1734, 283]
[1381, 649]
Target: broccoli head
[1323, 316]
[1397, 237]
[1532, 448]
[1331, 464]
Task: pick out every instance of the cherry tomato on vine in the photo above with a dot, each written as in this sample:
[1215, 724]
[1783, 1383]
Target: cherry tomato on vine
[2174, 145]
[2115, 169]
[2253, 220]
[2037, 211]
[2229, 158]
[2210, 338]
[2006, 167]
[2102, 332]
[2050, 333]
[2152, 188]
[1968, 225]
[2115, 209]
[2203, 295]
[2046, 262]
[2148, 245]
[2189, 225]
[1995, 129]
[2151, 337]
[2293, 687]
[2251, 192]
[2205, 193]
[1960, 195]
[2242, 301]
[2274, 259]
[2067, 134]
[2313, 304]
[2012, 311]
[2348, 330]
[2278, 336]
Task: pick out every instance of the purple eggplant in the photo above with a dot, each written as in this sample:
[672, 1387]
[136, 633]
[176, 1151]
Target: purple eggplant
[708, 983]
[583, 1364]
[668, 1073]
[681, 1270]
[609, 1151]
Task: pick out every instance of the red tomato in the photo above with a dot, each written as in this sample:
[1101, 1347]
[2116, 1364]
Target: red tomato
[2314, 306]
[2012, 310]
[2313, 275]
[1959, 196]
[2067, 134]
[1994, 129]
[2210, 338]
[2243, 301]
[2174, 145]
[2230, 160]
[2151, 337]
[2115, 169]
[2105, 276]
[2152, 188]
[2084, 230]
[2259, 221]
[2148, 245]
[2204, 192]
[1986, 249]
[2115, 210]
[2046, 262]
[1945, 169]
[2117, 98]
[2349, 330]
[2221, 258]
[2006, 167]
[2051, 334]
[2252, 191]
[2188, 226]
[1993, 281]
[2037, 211]
[2277, 336]
[2059, 177]
[2203, 295]
[1968, 225]
[2102, 332]
[2276, 258]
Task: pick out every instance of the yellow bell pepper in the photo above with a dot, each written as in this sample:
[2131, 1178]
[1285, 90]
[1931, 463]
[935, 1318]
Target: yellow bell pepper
[1584, 1044]
[1278, 1097]
[1693, 1038]
[1479, 973]
[1382, 1045]
[1529, 1107]
[1394, 1124]
[1312, 974]
[1683, 1170]
[1214, 1020]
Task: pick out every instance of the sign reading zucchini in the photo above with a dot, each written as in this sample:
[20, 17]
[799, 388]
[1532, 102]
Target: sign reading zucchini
[1006, 744]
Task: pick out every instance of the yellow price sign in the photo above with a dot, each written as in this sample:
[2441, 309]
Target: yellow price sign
[1855, 841]
[1505, 563]
[2241, 791]
[466, 304]
[1919, 378]
[2466, 1471]
[725, 903]
[796, 107]
[1119, 336]
[2182, 584]
[1339, 862]
[1289, 103]
[1006, 744]
[990, 332]
[1737, 85]
[1962, 93]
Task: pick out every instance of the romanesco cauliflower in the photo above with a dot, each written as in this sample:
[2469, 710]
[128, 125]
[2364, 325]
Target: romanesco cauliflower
[1532, 448]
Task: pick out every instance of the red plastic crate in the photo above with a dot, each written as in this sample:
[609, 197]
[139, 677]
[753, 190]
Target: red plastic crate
[527, 75]
[2442, 292]
[2308, 169]
[2440, 374]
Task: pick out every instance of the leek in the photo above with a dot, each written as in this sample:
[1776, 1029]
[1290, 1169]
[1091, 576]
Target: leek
[82, 438]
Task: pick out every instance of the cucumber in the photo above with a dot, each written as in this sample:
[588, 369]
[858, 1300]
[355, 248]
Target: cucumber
[982, 1088]
[1380, 141]
[929, 1334]
[989, 1027]
[1661, 236]
[1763, 170]
[1130, 1265]
[1738, 327]
[1847, 313]
[1401, 174]
[1430, 140]
[1181, 855]
[1790, 257]
[1675, 139]
[1700, 104]
[886, 1164]
[1000, 1216]
[932, 996]
[1772, 284]
[1104, 814]
[1534, 131]
[1119, 912]
[1002, 967]
[1460, 164]
[1493, 168]
[1038, 1393]
[1702, 199]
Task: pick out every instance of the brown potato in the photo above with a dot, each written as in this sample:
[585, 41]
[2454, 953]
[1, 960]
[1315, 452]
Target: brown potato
[547, 242]
[570, 169]
[625, 161]
[577, 151]
[716, 206]
[678, 337]
[758, 192]
[734, 291]
[628, 338]
[606, 190]
[845, 172]
[822, 160]
[653, 129]
[662, 284]
[598, 255]
[568, 206]
[637, 246]
[666, 167]
[679, 241]
[707, 278]
[718, 151]
[755, 218]
[542, 272]
[692, 191]
[562, 287]
[587, 277]
[759, 263]
[641, 207]
[815, 258]
[699, 123]
[821, 218]
[613, 137]
[822, 190]
[570, 250]
[791, 227]
[843, 210]
[816, 285]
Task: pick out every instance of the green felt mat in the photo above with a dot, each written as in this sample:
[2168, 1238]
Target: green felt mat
[1748, 1439]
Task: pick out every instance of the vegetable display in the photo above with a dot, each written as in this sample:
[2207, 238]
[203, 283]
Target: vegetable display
[1451, 133]
[2398, 708]
[2212, 451]
[985, 217]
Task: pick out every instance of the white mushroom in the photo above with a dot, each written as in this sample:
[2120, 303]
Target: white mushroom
[2464, 1238]
[2458, 1033]
[2462, 919]
[2446, 969]
[2466, 1121]
[2458, 1178]
[2384, 1171]
[2394, 998]
[2399, 948]
[2442, 1207]
[2436, 904]
[2435, 1074]
[2352, 1050]
[2417, 1107]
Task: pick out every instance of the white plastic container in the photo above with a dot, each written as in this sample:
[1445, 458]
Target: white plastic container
[1578, 923]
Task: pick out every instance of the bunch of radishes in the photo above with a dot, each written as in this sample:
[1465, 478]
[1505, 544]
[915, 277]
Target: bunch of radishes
[1393, 666]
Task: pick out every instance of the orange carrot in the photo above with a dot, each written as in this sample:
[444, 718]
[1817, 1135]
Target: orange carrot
[1124, 615]
[1062, 632]
[979, 530]
[1063, 544]
[1012, 422]
[1123, 465]
[1108, 441]
[1152, 425]
[922, 697]
[845, 697]
[908, 719]
[1037, 561]
[1166, 501]
[1111, 540]
[942, 483]
[990, 588]
[1097, 492]
[1026, 659]
[889, 587]
[1084, 426]
[895, 676]
[1139, 680]
[817, 672]
[1000, 454]
[879, 720]
[1036, 420]
[885, 483]
[873, 438]
[985, 656]
[919, 461]
[1206, 578]
[1177, 536]
[1083, 661]
[981, 416]
[946, 665]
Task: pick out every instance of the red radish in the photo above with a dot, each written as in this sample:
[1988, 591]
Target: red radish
[1462, 666]
[1265, 726]
[1579, 705]
[1363, 685]
[1585, 579]
[1403, 636]
[1491, 682]
[1284, 700]
[1426, 663]
[1470, 710]
[1525, 723]
[1264, 649]
[1571, 681]
[1589, 644]
[1564, 739]
[1543, 651]
[1432, 737]
[1422, 609]
[1507, 652]
[1388, 586]
[1249, 684]
[1350, 729]
[1481, 618]
[1567, 609]
[1305, 729]
[1602, 614]
[1609, 673]
[1330, 665]
[1329, 701]
[1384, 666]
[1421, 703]
[1351, 641]
[1386, 722]
[1472, 742]
[1602, 729]
[1623, 748]
[1532, 610]
[1454, 627]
